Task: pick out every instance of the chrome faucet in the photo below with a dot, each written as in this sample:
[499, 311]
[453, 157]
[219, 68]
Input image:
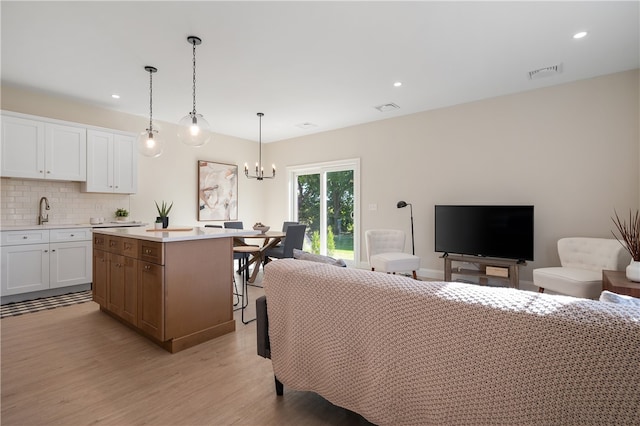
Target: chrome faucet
[41, 217]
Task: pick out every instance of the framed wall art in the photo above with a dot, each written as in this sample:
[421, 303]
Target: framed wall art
[217, 191]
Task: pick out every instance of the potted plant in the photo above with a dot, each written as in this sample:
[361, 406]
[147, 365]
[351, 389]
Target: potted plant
[630, 239]
[163, 213]
[122, 215]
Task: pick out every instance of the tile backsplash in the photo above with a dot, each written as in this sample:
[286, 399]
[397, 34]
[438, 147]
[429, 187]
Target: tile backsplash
[19, 202]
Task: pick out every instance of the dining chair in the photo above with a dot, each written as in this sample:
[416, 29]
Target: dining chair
[293, 239]
[285, 226]
[242, 253]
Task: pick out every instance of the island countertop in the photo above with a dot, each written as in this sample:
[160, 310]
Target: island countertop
[185, 233]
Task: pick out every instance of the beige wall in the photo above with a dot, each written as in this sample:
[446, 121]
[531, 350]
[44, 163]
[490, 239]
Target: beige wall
[572, 150]
[172, 177]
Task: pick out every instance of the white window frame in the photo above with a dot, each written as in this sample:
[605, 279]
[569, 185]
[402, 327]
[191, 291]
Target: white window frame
[322, 169]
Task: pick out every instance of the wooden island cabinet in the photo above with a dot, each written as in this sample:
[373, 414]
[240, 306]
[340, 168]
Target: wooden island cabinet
[174, 287]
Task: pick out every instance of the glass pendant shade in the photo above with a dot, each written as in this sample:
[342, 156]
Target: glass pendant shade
[150, 144]
[194, 130]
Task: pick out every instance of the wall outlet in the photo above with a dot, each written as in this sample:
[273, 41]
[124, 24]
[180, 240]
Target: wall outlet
[373, 207]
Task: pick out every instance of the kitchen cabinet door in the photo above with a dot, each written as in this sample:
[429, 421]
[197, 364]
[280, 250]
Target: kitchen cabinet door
[125, 165]
[151, 299]
[25, 268]
[22, 148]
[65, 152]
[70, 264]
[100, 277]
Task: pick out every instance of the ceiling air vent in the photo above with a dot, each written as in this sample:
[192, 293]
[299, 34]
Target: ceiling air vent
[387, 107]
[545, 72]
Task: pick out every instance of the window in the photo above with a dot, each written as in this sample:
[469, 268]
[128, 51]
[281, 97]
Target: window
[325, 197]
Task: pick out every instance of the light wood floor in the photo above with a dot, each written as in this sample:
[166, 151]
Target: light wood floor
[77, 366]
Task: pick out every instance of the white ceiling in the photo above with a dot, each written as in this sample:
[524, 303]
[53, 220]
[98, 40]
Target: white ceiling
[326, 63]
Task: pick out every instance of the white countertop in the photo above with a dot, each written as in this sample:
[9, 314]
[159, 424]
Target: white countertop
[72, 226]
[194, 233]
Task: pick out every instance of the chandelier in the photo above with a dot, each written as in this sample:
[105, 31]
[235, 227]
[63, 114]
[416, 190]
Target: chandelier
[259, 169]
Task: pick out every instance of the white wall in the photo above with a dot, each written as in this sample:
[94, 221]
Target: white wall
[572, 150]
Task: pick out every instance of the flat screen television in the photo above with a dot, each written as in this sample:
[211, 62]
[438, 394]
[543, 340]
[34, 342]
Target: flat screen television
[490, 231]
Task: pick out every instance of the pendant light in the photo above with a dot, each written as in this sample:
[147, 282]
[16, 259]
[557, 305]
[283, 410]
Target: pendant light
[259, 169]
[149, 143]
[194, 129]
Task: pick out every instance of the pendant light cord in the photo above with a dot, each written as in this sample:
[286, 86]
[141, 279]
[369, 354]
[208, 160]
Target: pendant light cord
[150, 101]
[194, 78]
[260, 152]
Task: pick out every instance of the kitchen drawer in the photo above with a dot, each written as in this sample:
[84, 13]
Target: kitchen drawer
[151, 252]
[73, 234]
[115, 244]
[100, 241]
[14, 238]
[130, 247]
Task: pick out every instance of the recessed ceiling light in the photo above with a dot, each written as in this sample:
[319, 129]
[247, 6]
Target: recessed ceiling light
[115, 96]
[581, 34]
[397, 84]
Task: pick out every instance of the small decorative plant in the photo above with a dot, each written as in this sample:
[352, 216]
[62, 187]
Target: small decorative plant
[630, 234]
[122, 213]
[163, 211]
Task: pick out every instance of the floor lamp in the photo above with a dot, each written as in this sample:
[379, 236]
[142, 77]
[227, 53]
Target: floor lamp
[402, 204]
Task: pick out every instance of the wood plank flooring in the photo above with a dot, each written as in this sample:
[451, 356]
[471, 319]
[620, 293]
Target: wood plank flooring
[77, 366]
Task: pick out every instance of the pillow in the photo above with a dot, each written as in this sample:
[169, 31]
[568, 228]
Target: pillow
[607, 296]
[303, 255]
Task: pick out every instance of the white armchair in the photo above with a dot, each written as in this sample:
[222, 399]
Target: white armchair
[385, 252]
[582, 260]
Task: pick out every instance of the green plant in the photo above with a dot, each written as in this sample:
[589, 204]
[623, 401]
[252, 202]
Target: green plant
[331, 242]
[630, 233]
[164, 210]
[122, 213]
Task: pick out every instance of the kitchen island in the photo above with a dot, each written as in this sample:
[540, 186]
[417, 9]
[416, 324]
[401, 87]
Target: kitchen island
[174, 287]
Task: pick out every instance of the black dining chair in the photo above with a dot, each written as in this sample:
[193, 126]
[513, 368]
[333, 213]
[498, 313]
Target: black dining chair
[294, 239]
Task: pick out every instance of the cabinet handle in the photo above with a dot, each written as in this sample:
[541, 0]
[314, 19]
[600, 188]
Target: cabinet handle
[147, 251]
[46, 251]
[53, 251]
[48, 171]
[24, 237]
[147, 267]
[41, 171]
[72, 235]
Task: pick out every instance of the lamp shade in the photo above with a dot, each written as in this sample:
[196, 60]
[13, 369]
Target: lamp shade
[150, 144]
[194, 130]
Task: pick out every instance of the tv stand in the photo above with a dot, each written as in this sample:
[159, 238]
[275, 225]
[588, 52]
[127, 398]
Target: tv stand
[502, 269]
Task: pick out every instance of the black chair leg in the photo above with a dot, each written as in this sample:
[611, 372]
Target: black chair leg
[245, 292]
[279, 387]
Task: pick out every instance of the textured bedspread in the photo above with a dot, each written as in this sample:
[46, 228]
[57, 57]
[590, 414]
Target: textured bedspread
[403, 352]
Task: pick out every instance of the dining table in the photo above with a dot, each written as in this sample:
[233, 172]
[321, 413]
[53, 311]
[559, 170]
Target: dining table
[270, 240]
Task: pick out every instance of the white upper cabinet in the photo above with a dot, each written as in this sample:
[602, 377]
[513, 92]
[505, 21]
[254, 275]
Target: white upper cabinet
[43, 150]
[112, 163]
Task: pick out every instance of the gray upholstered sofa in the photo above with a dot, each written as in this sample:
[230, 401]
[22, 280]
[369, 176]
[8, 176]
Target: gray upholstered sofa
[400, 351]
